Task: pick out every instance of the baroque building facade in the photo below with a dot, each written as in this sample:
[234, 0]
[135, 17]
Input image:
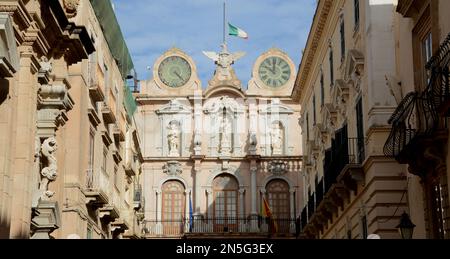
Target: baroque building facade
[352, 190]
[211, 156]
[419, 136]
[71, 152]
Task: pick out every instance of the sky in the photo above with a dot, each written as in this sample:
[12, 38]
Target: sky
[151, 27]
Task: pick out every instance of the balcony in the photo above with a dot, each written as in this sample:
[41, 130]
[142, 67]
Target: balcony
[106, 138]
[95, 91]
[97, 188]
[93, 115]
[419, 121]
[108, 114]
[117, 153]
[343, 171]
[111, 211]
[118, 133]
[220, 228]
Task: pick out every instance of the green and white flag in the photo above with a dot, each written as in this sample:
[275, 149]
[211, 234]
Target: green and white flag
[235, 31]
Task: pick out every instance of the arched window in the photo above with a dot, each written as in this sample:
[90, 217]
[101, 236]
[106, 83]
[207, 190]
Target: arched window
[173, 207]
[279, 200]
[225, 189]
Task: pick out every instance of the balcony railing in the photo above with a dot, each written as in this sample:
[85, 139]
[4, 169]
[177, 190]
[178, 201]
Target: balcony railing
[339, 161]
[218, 227]
[97, 187]
[418, 116]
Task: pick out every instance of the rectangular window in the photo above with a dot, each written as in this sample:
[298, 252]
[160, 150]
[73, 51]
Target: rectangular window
[422, 50]
[91, 149]
[360, 131]
[427, 48]
[342, 40]
[307, 127]
[356, 8]
[106, 80]
[105, 156]
[365, 230]
[331, 67]
[116, 177]
[314, 111]
[322, 90]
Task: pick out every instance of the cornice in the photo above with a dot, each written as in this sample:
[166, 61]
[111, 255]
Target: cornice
[315, 35]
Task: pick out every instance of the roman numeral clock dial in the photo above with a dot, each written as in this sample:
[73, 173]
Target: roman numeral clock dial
[274, 72]
[175, 71]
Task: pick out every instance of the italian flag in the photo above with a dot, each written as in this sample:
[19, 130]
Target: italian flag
[235, 31]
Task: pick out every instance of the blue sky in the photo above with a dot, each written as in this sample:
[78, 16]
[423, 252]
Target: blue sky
[151, 27]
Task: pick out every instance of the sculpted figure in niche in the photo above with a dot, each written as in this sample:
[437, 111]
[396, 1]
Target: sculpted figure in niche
[173, 137]
[225, 132]
[277, 139]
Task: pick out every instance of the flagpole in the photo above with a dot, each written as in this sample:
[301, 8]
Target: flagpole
[224, 22]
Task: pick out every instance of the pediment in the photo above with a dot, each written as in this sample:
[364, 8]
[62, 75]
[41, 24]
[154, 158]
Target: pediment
[276, 108]
[217, 105]
[174, 107]
[354, 65]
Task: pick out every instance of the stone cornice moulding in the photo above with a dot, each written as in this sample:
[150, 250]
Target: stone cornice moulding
[315, 36]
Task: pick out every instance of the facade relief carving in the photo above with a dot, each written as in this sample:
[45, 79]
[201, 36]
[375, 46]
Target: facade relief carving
[277, 139]
[173, 168]
[48, 173]
[278, 167]
[224, 72]
[71, 7]
[173, 137]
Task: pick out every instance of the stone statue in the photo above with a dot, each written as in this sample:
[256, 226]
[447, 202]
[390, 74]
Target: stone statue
[277, 139]
[48, 173]
[225, 140]
[224, 60]
[173, 137]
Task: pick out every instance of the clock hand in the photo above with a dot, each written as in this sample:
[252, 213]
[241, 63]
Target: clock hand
[178, 75]
[272, 71]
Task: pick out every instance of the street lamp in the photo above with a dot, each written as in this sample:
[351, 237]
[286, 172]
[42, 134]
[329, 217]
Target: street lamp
[406, 227]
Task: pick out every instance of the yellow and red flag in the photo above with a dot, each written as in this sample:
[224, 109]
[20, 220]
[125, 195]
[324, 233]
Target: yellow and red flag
[267, 213]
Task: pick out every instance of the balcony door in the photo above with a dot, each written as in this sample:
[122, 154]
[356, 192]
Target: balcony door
[279, 201]
[225, 189]
[173, 208]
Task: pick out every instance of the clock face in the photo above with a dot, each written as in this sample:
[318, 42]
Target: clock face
[175, 71]
[274, 72]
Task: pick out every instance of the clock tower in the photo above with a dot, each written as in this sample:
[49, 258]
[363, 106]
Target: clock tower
[213, 155]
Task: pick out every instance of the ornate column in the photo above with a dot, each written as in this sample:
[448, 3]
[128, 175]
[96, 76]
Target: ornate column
[254, 212]
[253, 183]
[209, 202]
[292, 219]
[158, 212]
[53, 103]
[242, 228]
[188, 211]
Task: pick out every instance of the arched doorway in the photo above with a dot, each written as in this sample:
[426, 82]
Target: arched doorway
[278, 196]
[173, 207]
[225, 188]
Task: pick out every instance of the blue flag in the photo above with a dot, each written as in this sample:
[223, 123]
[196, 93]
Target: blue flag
[191, 215]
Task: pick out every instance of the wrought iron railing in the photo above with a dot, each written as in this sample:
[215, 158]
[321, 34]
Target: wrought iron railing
[336, 160]
[418, 114]
[219, 226]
